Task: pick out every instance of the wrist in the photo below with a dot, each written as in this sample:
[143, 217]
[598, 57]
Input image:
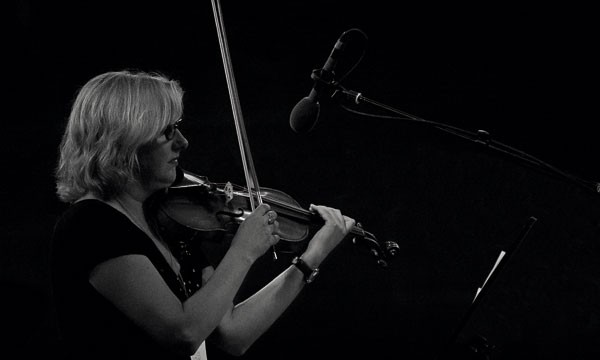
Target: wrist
[308, 272]
[241, 255]
[313, 257]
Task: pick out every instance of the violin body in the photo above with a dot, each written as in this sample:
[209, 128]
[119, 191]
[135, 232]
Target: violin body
[210, 210]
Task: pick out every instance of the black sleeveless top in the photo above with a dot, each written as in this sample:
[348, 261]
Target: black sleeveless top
[87, 234]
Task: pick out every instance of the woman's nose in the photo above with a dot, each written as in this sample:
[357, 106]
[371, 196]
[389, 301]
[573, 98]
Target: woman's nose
[180, 141]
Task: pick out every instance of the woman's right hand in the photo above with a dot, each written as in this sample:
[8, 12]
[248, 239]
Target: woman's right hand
[257, 233]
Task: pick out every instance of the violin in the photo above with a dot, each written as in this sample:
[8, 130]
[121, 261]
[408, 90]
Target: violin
[195, 207]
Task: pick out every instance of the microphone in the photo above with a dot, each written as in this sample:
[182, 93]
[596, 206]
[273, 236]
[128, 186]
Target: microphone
[305, 114]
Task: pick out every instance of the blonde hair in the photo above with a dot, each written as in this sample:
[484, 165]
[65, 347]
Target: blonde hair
[113, 116]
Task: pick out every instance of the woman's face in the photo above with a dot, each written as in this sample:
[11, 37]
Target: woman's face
[159, 159]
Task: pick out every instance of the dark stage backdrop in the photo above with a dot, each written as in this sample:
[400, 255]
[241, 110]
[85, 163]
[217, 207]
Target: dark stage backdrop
[522, 74]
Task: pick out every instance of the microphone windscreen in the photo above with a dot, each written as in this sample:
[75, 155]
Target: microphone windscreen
[304, 115]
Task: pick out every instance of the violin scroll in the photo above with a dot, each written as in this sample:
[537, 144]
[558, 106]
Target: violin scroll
[381, 252]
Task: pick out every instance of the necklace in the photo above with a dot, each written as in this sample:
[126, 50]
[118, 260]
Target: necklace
[159, 243]
[134, 219]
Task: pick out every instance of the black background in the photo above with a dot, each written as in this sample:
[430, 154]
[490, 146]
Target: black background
[524, 74]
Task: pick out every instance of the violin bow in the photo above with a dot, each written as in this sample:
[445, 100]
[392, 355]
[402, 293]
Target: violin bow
[247, 162]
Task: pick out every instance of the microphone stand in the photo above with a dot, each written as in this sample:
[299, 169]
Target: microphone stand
[478, 347]
[325, 79]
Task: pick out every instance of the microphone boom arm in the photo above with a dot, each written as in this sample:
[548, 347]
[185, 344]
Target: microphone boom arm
[481, 136]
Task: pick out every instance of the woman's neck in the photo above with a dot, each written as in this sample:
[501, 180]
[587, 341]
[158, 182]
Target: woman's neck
[132, 205]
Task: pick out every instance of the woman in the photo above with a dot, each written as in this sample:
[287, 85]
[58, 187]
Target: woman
[118, 285]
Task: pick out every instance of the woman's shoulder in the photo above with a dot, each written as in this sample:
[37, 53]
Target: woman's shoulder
[89, 216]
[85, 210]
[94, 231]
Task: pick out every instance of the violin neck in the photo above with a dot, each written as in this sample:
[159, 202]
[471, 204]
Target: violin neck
[309, 217]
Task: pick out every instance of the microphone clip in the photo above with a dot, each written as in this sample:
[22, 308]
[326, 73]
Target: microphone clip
[325, 83]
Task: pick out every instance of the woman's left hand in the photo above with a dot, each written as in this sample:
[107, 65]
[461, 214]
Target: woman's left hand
[335, 229]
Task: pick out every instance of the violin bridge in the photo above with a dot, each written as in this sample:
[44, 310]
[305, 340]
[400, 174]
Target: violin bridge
[228, 192]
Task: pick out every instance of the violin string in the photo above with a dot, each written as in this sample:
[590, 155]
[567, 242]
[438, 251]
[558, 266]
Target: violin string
[242, 192]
